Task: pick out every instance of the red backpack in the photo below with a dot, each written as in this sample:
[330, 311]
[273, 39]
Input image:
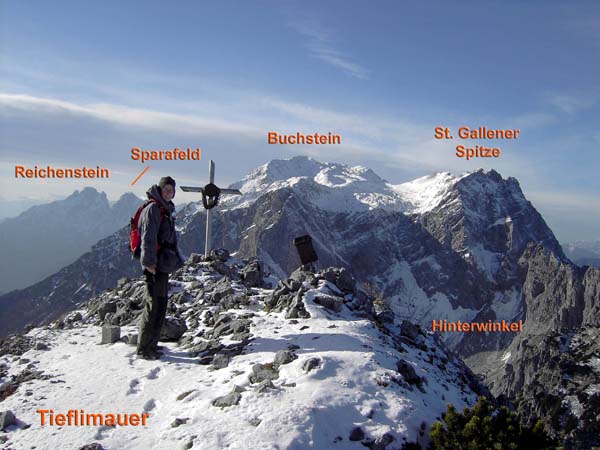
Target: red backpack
[135, 239]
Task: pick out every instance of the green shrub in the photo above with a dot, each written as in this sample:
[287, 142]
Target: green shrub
[486, 428]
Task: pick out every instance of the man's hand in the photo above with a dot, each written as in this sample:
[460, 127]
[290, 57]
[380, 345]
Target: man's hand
[151, 269]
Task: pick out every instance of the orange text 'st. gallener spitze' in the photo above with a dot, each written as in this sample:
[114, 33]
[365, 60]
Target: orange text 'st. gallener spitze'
[482, 133]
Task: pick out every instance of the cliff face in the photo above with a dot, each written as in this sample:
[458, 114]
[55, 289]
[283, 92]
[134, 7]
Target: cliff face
[552, 369]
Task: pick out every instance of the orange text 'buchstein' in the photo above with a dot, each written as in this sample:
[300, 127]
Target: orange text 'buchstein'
[299, 138]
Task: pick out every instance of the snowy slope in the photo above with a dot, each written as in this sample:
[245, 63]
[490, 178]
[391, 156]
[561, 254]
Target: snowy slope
[426, 193]
[340, 188]
[355, 381]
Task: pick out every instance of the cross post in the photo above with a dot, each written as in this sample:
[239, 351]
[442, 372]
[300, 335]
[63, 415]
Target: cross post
[210, 199]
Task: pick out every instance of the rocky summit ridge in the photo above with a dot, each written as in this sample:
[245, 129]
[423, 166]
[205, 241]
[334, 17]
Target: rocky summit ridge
[250, 362]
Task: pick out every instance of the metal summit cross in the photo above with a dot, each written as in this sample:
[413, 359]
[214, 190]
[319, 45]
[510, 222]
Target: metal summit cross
[210, 199]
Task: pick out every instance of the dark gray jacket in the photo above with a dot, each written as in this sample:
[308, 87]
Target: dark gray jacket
[153, 231]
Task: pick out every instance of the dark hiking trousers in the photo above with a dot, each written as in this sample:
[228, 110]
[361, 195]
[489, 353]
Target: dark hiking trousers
[153, 316]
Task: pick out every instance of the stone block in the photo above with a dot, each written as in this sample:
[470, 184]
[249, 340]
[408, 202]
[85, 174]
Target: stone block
[110, 334]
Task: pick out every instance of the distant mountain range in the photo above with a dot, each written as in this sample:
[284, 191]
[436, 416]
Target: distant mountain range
[584, 253]
[468, 247]
[46, 238]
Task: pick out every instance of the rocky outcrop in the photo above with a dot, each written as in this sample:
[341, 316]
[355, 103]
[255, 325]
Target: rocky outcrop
[552, 369]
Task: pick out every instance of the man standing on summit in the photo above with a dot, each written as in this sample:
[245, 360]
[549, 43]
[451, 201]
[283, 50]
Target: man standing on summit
[159, 257]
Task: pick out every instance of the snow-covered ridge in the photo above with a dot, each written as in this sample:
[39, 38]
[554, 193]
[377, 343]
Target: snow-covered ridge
[274, 381]
[425, 193]
[341, 188]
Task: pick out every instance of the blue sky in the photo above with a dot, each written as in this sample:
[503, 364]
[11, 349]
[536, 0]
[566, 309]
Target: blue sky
[84, 82]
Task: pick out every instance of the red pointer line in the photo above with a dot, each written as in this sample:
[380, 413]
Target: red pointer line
[140, 175]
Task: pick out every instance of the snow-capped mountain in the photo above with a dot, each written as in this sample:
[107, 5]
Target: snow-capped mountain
[440, 247]
[45, 238]
[468, 247]
[301, 363]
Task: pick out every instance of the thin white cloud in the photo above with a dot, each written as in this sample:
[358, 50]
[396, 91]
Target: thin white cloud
[321, 46]
[572, 104]
[392, 142]
[128, 116]
[530, 120]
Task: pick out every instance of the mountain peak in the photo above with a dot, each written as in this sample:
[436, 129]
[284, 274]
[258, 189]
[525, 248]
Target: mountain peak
[87, 194]
[330, 186]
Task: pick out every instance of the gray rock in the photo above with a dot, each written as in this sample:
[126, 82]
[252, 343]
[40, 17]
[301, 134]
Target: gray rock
[292, 285]
[240, 337]
[181, 297]
[297, 309]
[255, 421]
[222, 329]
[206, 348]
[252, 275]
[240, 326]
[310, 364]
[110, 334]
[265, 386]
[219, 254]
[410, 330]
[41, 346]
[222, 319]
[303, 276]
[408, 372]
[221, 267]
[184, 395]
[357, 434]
[173, 328]
[386, 316]
[329, 302]
[108, 307]
[329, 274]
[262, 372]
[16, 345]
[205, 360]
[195, 258]
[94, 446]
[231, 399]
[283, 357]
[178, 421]
[222, 288]
[382, 442]
[220, 361]
[361, 303]
[345, 281]
[7, 419]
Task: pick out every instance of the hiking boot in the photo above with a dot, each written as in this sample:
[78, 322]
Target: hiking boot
[150, 356]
